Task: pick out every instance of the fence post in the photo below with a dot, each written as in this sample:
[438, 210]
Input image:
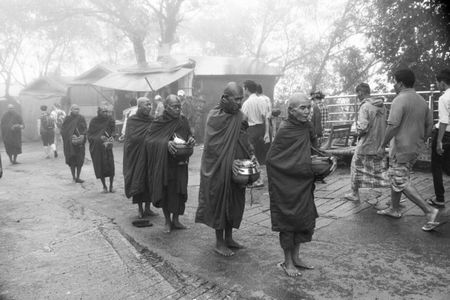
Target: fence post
[430, 98]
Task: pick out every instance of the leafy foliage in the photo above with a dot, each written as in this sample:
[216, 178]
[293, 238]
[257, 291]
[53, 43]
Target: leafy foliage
[411, 33]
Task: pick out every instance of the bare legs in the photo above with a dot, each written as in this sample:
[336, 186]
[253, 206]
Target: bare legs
[292, 261]
[105, 188]
[13, 158]
[76, 170]
[171, 223]
[225, 241]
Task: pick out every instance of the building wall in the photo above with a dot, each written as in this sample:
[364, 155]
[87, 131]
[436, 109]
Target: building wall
[211, 89]
[31, 103]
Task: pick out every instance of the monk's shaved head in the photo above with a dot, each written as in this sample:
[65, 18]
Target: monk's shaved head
[297, 99]
[142, 100]
[171, 99]
[233, 89]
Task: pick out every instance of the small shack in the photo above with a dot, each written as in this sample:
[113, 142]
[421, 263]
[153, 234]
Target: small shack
[46, 90]
[88, 96]
[212, 73]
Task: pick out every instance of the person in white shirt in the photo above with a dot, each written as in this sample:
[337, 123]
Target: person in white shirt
[158, 106]
[440, 140]
[126, 114]
[256, 111]
[268, 103]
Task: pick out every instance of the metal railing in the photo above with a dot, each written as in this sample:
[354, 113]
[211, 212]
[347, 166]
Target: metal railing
[344, 109]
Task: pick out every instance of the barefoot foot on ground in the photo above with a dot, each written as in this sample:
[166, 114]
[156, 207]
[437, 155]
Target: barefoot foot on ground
[105, 190]
[290, 271]
[150, 213]
[301, 264]
[178, 225]
[223, 250]
[167, 228]
[79, 180]
[233, 244]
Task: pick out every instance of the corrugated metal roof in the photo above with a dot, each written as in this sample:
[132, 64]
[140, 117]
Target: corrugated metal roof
[48, 83]
[95, 73]
[137, 81]
[216, 65]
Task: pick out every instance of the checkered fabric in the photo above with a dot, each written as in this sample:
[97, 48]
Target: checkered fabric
[369, 171]
[324, 115]
[399, 174]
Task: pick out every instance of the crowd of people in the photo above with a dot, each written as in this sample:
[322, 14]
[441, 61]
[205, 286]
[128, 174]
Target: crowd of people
[158, 139]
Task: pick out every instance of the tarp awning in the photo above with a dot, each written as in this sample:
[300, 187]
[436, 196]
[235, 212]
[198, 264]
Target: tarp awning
[137, 81]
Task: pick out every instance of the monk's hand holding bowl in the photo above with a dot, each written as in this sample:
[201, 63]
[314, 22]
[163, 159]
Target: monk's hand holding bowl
[104, 138]
[191, 140]
[236, 166]
[171, 147]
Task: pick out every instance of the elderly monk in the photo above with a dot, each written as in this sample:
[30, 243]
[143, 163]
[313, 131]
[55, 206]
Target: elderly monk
[100, 135]
[74, 125]
[291, 183]
[12, 125]
[221, 202]
[137, 126]
[167, 173]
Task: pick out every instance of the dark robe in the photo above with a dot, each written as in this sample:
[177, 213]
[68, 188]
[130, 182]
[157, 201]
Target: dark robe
[133, 162]
[221, 202]
[167, 178]
[102, 157]
[73, 125]
[12, 138]
[291, 180]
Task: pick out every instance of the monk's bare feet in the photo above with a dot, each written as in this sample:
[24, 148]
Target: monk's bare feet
[150, 213]
[233, 244]
[223, 250]
[78, 180]
[178, 225]
[105, 190]
[140, 213]
[167, 228]
[301, 264]
[111, 190]
[290, 270]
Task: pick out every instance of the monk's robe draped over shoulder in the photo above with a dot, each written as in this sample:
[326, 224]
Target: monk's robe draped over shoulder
[12, 137]
[220, 200]
[73, 125]
[291, 180]
[158, 161]
[134, 164]
[102, 157]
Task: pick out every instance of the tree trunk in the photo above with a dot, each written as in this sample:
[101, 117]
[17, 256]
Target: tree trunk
[139, 51]
[164, 50]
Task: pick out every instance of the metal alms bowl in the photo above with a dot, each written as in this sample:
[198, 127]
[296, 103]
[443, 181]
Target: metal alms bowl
[184, 151]
[247, 173]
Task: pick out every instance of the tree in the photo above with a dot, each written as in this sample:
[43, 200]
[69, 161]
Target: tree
[411, 33]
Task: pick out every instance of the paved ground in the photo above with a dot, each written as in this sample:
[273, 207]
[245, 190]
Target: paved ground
[64, 240]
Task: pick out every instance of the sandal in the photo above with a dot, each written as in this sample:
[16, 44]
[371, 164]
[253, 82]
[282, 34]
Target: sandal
[431, 226]
[390, 213]
[434, 203]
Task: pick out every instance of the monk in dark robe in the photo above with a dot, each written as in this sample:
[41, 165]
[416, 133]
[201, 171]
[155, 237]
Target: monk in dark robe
[167, 174]
[12, 125]
[74, 125]
[221, 202]
[100, 135]
[291, 183]
[137, 126]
